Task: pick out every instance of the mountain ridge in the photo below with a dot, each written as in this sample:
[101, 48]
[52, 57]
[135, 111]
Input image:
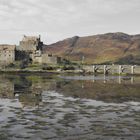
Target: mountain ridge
[102, 48]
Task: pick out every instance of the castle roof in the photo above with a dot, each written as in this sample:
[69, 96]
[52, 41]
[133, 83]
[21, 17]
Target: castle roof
[7, 47]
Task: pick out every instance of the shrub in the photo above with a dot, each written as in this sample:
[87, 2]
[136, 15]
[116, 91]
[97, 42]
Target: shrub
[46, 67]
[11, 65]
[68, 68]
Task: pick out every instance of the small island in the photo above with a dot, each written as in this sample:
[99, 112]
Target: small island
[31, 55]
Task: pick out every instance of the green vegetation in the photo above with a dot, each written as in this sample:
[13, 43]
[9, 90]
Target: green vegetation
[130, 59]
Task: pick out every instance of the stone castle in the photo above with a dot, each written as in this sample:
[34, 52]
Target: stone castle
[31, 47]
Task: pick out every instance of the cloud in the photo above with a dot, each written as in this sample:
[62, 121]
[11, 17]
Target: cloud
[64, 18]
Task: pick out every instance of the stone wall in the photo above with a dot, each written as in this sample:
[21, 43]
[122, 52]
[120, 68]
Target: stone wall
[7, 54]
[27, 46]
[50, 59]
[36, 56]
[37, 59]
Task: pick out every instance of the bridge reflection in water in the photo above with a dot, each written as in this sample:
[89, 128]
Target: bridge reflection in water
[105, 79]
[28, 89]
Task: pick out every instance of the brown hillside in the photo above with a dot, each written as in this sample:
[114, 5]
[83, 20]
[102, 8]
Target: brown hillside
[104, 48]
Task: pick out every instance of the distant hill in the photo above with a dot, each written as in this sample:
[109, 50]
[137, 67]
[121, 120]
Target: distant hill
[104, 48]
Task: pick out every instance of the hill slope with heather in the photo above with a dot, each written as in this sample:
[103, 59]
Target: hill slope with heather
[105, 48]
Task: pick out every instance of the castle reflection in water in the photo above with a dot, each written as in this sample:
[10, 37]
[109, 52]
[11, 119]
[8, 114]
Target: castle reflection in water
[28, 89]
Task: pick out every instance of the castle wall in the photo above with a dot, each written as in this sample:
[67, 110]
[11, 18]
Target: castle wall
[37, 60]
[7, 54]
[27, 46]
[36, 56]
[50, 59]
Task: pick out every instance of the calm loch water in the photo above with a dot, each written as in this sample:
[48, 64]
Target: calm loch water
[61, 107]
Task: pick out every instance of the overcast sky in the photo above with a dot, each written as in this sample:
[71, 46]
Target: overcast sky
[59, 19]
